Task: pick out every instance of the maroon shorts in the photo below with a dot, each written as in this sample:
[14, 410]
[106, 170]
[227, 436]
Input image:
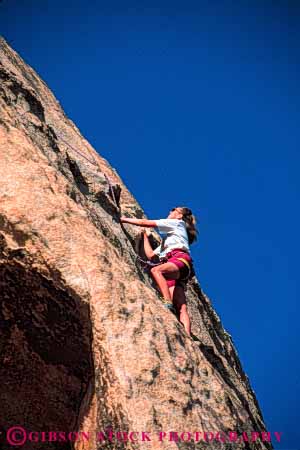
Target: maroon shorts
[185, 272]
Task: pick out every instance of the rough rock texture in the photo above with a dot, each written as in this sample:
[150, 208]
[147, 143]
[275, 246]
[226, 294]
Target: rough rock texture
[86, 344]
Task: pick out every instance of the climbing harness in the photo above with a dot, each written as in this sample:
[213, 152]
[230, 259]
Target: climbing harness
[146, 264]
[188, 266]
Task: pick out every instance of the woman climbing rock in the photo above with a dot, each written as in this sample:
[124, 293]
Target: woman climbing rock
[175, 266]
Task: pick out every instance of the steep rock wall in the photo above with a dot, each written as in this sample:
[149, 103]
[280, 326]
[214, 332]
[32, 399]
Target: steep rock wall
[86, 344]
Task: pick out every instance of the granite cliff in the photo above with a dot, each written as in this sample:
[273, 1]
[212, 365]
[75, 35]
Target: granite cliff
[86, 345]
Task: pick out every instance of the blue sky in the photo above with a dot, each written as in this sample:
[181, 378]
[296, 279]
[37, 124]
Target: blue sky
[197, 104]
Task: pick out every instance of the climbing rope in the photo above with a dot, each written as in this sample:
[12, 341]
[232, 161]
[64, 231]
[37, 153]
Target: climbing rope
[147, 263]
[77, 151]
[144, 263]
[94, 163]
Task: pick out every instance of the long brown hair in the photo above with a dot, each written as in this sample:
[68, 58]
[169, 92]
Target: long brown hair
[190, 221]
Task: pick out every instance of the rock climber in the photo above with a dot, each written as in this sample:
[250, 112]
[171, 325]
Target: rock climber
[175, 266]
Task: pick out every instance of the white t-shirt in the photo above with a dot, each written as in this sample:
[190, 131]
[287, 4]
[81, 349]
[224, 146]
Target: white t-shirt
[174, 235]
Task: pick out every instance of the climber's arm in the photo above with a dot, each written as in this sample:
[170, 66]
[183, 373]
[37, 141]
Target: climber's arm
[140, 222]
[149, 252]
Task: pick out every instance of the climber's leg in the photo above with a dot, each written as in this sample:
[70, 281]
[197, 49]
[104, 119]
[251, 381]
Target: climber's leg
[161, 273]
[179, 301]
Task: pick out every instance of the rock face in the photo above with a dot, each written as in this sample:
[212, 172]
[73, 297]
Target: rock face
[86, 345]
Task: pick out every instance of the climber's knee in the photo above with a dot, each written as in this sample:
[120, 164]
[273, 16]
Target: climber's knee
[154, 270]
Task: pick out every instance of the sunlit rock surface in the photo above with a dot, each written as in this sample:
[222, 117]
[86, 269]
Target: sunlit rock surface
[86, 345]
